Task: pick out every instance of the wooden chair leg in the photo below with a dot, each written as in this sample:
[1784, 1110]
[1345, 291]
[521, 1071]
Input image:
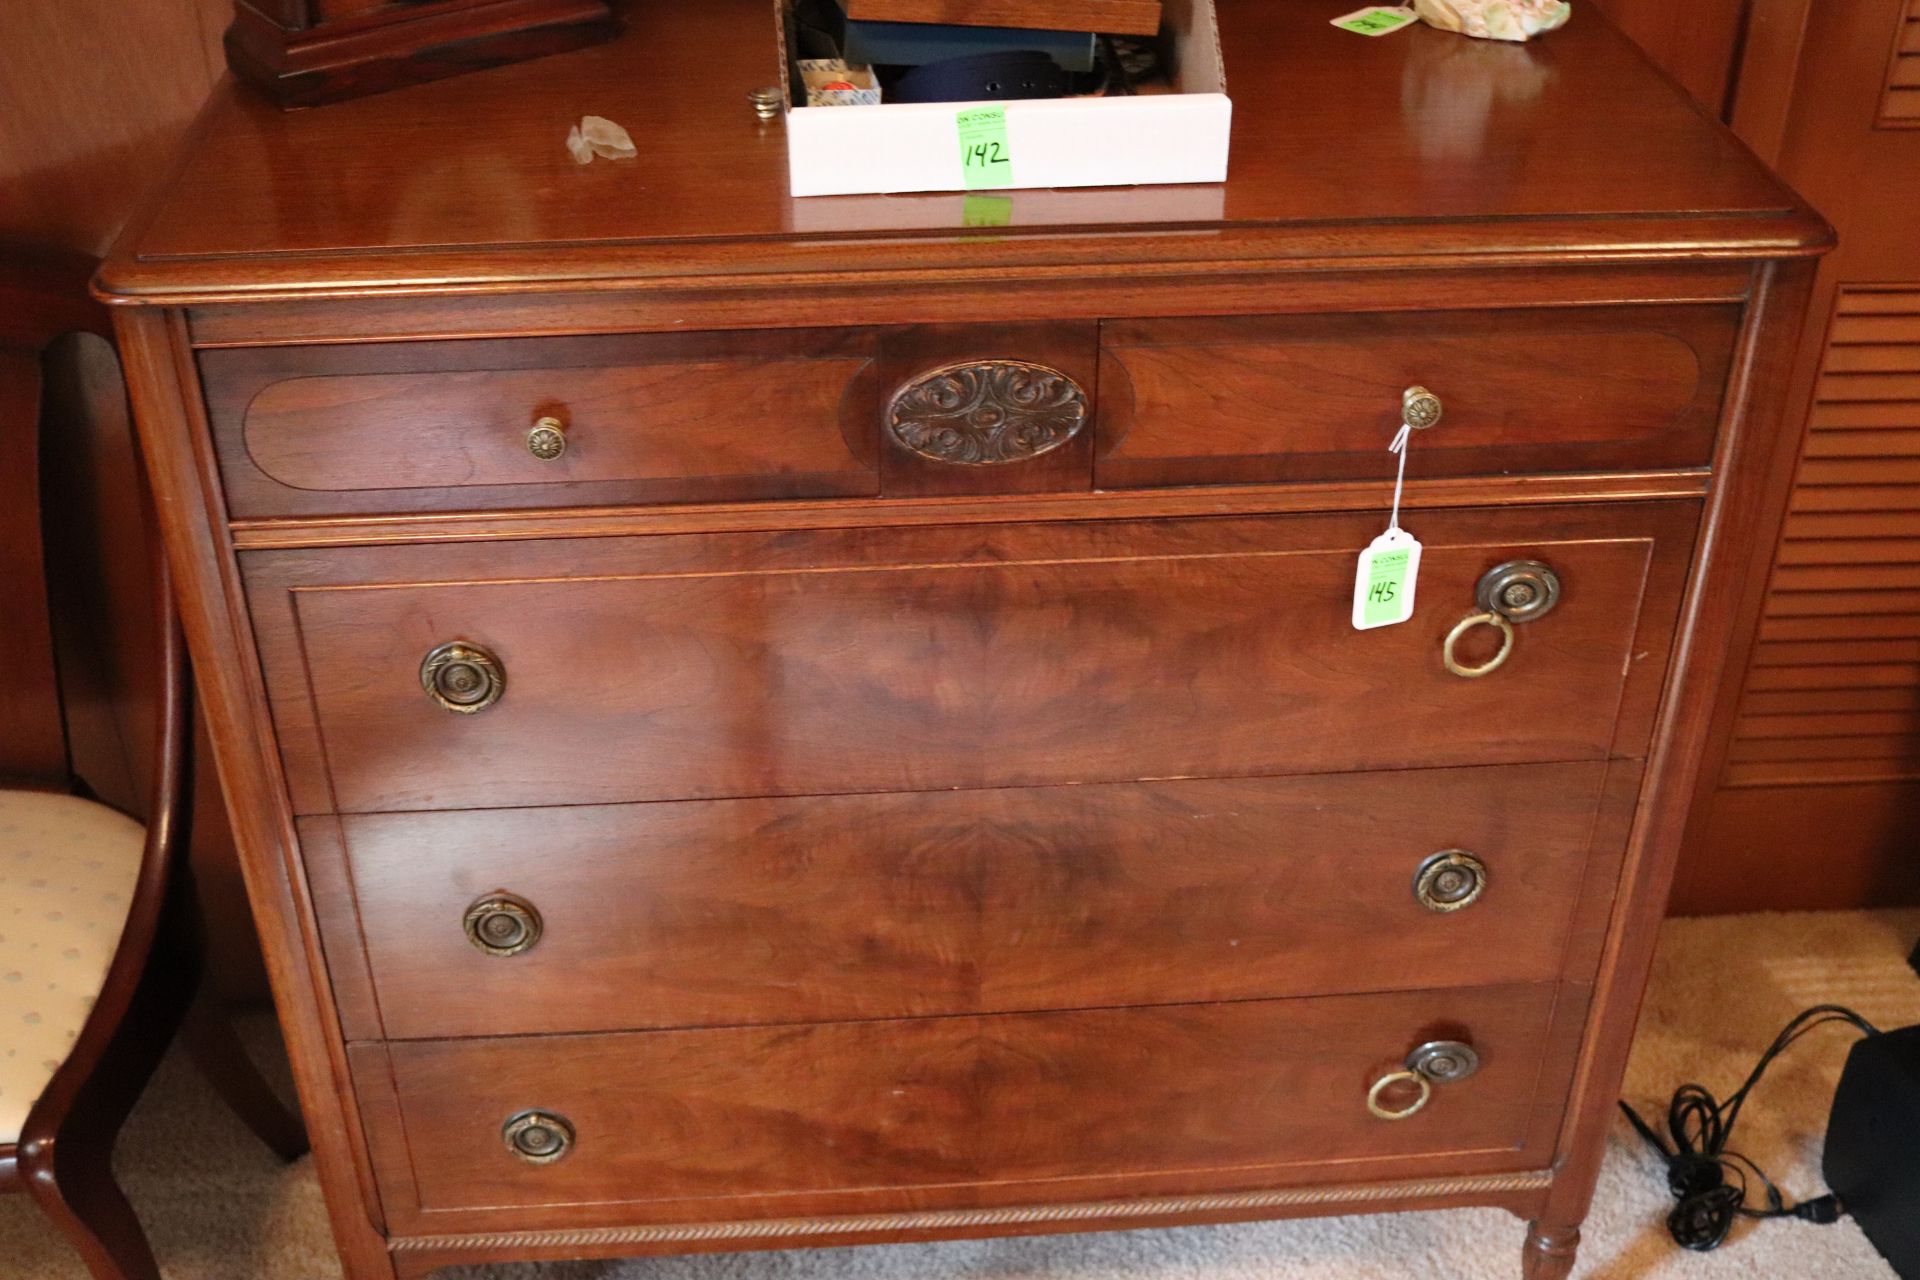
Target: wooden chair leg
[75, 1188]
[215, 1048]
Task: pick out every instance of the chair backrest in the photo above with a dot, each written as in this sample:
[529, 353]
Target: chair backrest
[79, 635]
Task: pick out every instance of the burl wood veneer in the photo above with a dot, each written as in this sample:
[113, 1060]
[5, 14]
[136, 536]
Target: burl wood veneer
[699, 791]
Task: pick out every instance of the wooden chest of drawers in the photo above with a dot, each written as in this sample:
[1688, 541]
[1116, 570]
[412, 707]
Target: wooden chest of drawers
[758, 723]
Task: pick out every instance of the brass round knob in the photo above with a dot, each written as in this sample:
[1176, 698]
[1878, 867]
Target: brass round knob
[1519, 590]
[1460, 629]
[1419, 408]
[462, 677]
[1423, 1093]
[1444, 1061]
[538, 1137]
[548, 439]
[1450, 880]
[501, 924]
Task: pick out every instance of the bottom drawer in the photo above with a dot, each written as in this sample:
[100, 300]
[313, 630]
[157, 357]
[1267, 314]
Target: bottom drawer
[856, 1116]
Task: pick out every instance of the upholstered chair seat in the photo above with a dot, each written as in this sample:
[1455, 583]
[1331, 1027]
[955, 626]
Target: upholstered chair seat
[67, 872]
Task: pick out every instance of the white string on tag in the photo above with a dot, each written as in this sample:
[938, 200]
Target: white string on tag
[1401, 439]
[1389, 569]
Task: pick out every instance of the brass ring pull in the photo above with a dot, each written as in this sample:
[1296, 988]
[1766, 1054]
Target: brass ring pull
[538, 1137]
[1392, 1078]
[1450, 880]
[1467, 624]
[502, 924]
[462, 677]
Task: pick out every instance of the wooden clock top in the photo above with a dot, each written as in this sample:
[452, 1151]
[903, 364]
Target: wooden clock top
[1419, 147]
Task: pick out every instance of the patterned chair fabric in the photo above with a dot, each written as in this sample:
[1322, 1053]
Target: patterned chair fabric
[67, 872]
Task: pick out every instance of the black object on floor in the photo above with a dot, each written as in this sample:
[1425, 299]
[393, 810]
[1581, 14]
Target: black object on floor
[1709, 1180]
[1872, 1159]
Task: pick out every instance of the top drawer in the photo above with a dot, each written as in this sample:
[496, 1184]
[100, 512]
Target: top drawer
[1260, 399]
[420, 426]
[631, 419]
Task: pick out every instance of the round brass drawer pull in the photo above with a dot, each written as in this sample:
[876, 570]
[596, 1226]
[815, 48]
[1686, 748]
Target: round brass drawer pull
[463, 677]
[501, 924]
[1444, 1061]
[548, 439]
[1519, 590]
[1420, 408]
[1467, 624]
[1388, 1081]
[538, 1137]
[1450, 880]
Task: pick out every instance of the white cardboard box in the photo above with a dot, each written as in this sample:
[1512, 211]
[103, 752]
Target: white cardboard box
[1050, 142]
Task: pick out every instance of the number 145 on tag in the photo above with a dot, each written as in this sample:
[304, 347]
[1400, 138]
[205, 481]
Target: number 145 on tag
[1384, 580]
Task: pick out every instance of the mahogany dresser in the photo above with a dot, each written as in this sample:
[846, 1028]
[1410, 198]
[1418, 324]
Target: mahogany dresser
[757, 723]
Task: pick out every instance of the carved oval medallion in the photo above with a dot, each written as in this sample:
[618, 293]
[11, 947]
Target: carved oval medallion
[987, 412]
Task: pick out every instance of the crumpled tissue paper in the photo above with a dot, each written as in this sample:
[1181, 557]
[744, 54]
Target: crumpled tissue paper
[599, 136]
[1514, 20]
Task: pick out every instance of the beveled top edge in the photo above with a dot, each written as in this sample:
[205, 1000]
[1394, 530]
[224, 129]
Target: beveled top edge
[1419, 149]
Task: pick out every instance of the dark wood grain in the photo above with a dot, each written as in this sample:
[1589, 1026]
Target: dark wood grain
[99, 95]
[425, 426]
[179, 457]
[1130, 17]
[506, 206]
[1698, 44]
[1243, 1094]
[941, 671]
[34, 748]
[930, 659]
[911, 353]
[1836, 626]
[972, 902]
[62, 1154]
[1268, 399]
[317, 51]
[1182, 287]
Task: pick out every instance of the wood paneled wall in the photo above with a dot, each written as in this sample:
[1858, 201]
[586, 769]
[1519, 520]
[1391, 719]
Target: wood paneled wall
[93, 94]
[1695, 40]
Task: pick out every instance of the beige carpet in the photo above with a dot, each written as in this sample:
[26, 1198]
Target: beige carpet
[219, 1208]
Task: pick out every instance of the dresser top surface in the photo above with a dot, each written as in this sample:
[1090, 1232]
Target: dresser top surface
[1421, 146]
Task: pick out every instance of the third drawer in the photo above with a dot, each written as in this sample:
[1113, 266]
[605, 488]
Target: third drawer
[785, 910]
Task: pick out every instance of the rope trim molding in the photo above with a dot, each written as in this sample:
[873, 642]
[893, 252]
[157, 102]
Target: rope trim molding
[961, 1219]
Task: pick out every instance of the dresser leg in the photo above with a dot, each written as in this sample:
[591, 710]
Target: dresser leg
[1548, 1254]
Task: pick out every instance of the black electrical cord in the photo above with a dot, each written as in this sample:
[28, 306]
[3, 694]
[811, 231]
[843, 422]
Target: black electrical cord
[1699, 1164]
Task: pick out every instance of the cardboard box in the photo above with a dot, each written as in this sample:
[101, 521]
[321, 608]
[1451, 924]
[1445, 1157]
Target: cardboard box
[1157, 137]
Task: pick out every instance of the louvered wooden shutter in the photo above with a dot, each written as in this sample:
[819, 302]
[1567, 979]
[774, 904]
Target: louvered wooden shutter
[1900, 107]
[1834, 691]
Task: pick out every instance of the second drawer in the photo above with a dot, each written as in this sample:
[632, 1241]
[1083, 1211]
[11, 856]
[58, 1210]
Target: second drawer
[756, 911]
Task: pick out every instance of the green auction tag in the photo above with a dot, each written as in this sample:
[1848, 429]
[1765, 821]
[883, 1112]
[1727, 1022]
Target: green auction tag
[1376, 20]
[985, 158]
[986, 211]
[1384, 580]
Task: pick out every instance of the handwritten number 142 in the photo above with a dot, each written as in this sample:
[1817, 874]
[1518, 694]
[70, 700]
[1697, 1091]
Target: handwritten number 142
[981, 154]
